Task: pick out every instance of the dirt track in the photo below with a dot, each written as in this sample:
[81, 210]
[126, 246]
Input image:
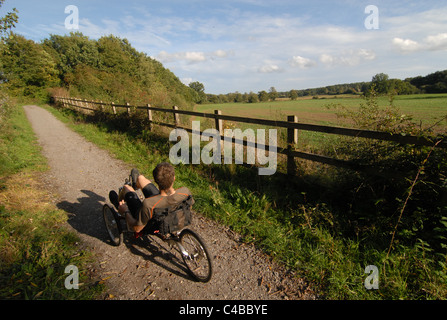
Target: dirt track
[80, 178]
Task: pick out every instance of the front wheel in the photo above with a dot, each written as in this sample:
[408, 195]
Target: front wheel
[112, 225]
[195, 255]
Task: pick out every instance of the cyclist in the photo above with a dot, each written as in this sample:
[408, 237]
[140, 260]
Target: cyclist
[137, 212]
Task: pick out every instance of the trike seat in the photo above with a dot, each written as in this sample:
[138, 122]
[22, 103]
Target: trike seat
[170, 219]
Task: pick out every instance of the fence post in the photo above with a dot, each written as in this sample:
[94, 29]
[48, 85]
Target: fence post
[176, 116]
[292, 140]
[218, 121]
[86, 106]
[113, 107]
[149, 116]
[219, 128]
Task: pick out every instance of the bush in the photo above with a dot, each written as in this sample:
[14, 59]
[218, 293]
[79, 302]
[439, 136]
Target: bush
[408, 195]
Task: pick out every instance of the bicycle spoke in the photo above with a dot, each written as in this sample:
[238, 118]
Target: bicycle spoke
[196, 259]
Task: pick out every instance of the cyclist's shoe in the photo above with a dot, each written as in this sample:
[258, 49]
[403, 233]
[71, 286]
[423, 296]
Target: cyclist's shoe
[113, 197]
[134, 174]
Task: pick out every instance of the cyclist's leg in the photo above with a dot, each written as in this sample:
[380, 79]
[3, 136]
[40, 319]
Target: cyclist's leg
[150, 190]
[124, 190]
[134, 205]
[142, 181]
[139, 181]
[146, 185]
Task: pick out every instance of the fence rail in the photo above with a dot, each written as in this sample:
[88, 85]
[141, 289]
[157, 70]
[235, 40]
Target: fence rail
[292, 125]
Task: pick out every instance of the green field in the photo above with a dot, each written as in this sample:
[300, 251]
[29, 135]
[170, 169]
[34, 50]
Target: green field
[425, 110]
[428, 108]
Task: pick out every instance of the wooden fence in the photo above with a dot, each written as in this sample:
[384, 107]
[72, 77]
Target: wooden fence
[292, 125]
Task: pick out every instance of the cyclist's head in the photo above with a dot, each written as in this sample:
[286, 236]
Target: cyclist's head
[164, 175]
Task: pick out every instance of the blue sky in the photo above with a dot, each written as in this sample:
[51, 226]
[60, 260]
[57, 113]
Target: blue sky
[252, 45]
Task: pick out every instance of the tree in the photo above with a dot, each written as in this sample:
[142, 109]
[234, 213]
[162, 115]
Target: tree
[293, 94]
[199, 88]
[238, 97]
[398, 86]
[252, 97]
[433, 83]
[27, 68]
[381, 83]
[8, 21]
[263, 96]
[273, 94]
[70, 51]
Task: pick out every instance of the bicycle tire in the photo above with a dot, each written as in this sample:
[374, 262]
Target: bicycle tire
[112, 225]
[197, 255]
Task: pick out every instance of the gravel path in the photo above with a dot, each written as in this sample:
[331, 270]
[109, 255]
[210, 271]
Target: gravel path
[80, 178]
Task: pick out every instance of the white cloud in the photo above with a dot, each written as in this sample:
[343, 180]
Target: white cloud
[270, 68]
[221, 53]
[348, 57]
[301, 62]
[437, 42]
[430, 43]
[191, 57]
[406, 45]
[366, 54]
[327, 59]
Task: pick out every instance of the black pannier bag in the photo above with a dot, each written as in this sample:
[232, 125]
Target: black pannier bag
[168, 220]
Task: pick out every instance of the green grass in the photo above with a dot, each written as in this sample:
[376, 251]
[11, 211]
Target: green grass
[428, 108]
[35, 246]
[308, 227]
[18, 148]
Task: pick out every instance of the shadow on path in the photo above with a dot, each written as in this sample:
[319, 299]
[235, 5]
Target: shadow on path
[85, 216]
[156, 251]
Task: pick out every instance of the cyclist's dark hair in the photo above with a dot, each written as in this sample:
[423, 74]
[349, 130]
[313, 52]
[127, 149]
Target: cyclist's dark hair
[164, 174]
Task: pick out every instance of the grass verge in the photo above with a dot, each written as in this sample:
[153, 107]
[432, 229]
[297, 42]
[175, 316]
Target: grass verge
[35, 246]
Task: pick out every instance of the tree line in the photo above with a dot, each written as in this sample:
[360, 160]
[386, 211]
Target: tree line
[433, 83]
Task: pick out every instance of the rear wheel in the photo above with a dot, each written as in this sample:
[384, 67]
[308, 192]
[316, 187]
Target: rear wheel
[196, 256]
[112, 224]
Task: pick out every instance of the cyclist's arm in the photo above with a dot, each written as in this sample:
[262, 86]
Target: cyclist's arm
[131, 221]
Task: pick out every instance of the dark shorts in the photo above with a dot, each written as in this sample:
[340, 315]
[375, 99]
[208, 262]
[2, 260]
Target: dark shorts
[133, 200]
